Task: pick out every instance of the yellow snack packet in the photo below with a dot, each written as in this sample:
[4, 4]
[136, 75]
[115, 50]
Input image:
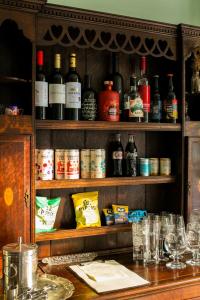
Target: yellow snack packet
[86, 209]
[120, 213]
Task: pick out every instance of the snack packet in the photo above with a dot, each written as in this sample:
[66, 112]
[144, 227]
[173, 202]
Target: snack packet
[86, 209]
[120, 213]
[46, 210]
[135, 216]
[109, 216]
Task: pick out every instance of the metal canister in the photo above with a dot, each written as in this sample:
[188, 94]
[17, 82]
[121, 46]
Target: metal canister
[59, 164]
[144, 167]
[72, 164]
[19, 266]
[98, 167]
[154, 166]
[45, 164]
[85, 163]
[165, 166]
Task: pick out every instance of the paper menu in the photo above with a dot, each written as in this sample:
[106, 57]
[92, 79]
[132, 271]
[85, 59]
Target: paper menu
[109, 275]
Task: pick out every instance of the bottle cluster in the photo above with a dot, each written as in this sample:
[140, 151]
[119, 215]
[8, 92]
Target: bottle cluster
[65, 97]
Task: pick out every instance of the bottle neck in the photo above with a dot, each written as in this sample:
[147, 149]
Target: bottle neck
[57, 62]
[133, 84]
[108, 87]
[87, 82]
[40, 68]
[156, 86]
[131, 139]
[171, 87]
[118, 138]
[115, 63]
[143, 66]
[72, 63]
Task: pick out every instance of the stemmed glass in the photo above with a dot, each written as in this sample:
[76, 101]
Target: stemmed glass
[175, 244]
[193, 242]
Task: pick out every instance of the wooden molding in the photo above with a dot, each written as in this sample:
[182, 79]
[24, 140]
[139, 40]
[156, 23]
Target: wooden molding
[24, 4]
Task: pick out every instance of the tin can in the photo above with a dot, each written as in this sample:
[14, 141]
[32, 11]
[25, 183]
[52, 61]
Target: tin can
[98, 169]
[45, 164]
[85, 163]
[59, 164]
[165, 166]
[144, 167]
[154, 166]
[72, 164]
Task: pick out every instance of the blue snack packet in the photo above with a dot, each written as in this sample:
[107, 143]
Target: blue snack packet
[135, 216]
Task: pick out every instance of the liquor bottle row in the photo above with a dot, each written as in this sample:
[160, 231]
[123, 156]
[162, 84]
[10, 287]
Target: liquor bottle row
[66, 98]
[91, 163]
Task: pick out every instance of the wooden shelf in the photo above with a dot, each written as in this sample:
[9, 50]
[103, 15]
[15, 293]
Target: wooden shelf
[102, 125]
[80, 183]
[192, 128]
[16, 124]
[10, 79]
[78, 233]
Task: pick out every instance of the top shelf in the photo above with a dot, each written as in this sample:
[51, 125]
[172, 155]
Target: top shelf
[102, 125]
[9, 79]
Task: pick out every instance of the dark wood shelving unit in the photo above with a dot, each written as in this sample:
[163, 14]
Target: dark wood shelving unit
[102, 125]
[11, 79]
[21, 124]
[78, 233]
[120, 181]
[192, 128]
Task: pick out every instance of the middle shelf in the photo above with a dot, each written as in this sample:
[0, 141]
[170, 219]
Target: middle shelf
[110, 181]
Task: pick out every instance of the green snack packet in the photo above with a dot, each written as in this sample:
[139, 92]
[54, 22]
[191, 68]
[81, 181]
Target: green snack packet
[46, 210]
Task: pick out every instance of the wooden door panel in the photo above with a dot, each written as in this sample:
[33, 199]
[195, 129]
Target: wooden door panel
[14, 184]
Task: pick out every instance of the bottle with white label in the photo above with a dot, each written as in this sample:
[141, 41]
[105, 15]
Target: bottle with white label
[57, 91]
[41, 89]
[73, 91]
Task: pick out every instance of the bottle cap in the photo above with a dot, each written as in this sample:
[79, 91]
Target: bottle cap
[156, 76]
[73, 54]
[170, 75]
[40, 57]
[143, 63]
[107, 82]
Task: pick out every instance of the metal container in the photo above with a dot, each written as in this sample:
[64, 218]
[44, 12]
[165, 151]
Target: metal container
[98, 169]
[165, 166]
[144, 167]
[154, 166]
[72, 164]
[45, 164]
[85, 163]
[19, 266]
[59, 164]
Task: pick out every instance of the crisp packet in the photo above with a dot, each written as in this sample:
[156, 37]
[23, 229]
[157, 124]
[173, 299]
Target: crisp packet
[109, 216]
[120, 213]
[135, 216]
[86, 209]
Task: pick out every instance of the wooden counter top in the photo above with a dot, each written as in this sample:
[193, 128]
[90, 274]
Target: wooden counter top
[165, 284]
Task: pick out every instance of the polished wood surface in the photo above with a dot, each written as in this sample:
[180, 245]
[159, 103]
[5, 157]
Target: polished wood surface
[16, 124]
[123, 181]
[192, 128]
[164, 284]
[102, 125]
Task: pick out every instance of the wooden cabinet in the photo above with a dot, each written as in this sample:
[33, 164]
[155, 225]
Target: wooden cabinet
[15, 191]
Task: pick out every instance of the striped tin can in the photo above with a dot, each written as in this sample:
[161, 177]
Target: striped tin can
[98, 157]
[85, 163]
[72, 164]
[59, 164]
[45, 164]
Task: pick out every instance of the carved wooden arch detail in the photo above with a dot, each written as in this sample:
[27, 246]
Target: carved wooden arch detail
[99, 38]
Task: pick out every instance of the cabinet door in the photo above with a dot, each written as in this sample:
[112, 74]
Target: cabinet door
[193, 186]
[14, 188]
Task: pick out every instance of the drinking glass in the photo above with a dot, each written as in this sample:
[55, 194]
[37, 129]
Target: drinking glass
[175, 244]
[193, 242]
[137, 241]
[163, 231]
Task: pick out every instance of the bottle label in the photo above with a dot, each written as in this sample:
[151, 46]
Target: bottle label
[56, 93]
[157, 111]
[89, 109]
[117, 155]
[136, 108]
[144, 91]
[41, 93]
[170, 108]
[126, 104]
[73, 95]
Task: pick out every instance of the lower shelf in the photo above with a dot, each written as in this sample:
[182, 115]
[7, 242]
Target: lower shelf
[79, 183]
[78, 233]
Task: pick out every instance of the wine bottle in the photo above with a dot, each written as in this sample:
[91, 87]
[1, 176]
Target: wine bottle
[131, 157]
[117, 156]
[170, 103]
[89, 101]
[41, 89]
[156, 108]
[117, 80]
[57, 91]
[73, 91]
[144, 89]
[136, 113]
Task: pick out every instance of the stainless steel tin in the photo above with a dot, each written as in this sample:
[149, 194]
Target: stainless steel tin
[72, 164]
[98, 157]
[85, 163]
[59, 164]
[19, 266]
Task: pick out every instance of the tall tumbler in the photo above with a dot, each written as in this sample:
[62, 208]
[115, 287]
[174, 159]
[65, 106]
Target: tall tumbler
[137, 241]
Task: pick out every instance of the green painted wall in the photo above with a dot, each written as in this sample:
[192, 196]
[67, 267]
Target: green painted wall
[170, 11]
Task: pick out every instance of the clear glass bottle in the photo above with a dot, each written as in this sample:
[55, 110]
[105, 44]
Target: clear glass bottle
[136, 113]
[131, 157]
[117, 156]
[144, 88]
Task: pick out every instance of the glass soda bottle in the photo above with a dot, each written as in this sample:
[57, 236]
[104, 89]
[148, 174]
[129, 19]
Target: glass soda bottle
[117, 156]
[131, 157]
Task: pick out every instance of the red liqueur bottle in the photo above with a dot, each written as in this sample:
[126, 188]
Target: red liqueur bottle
[108, 103]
